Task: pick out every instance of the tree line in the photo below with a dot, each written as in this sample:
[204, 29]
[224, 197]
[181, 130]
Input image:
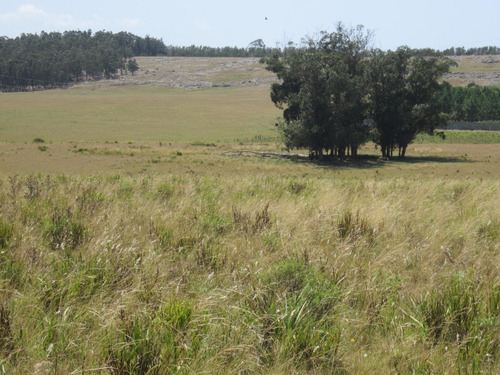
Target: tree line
[257, 48]
[472, 103]
[332, 84]
[46, 60]
[462, 51]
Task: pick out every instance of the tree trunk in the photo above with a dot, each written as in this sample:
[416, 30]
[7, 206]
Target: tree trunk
[354, 151]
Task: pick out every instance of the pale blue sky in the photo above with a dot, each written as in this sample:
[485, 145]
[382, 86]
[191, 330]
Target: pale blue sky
[426, 23]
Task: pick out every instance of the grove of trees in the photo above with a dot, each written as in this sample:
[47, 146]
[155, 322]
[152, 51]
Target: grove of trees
[403, 90]
[329, 87]
[472, 103]
[461, 51]
[55, 59]
[256, 48]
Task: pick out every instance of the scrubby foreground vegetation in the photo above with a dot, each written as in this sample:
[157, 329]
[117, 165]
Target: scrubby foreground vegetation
[257, 274]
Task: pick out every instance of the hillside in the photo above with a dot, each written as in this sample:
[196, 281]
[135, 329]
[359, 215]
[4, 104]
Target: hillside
[197, 72]
[482, 70]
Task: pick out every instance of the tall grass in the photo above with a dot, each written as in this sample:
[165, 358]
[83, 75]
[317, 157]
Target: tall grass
[262, 274]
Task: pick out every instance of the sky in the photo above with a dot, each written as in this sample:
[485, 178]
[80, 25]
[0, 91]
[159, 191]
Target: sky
[437, 24]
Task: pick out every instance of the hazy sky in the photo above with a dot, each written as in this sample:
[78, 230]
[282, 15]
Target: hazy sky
[424, 23]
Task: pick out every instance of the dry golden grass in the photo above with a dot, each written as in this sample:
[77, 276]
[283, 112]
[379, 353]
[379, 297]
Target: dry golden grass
[86, 158]
[277, 267]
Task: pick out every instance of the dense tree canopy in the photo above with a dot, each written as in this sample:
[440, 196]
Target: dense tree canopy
[403, 96]
[472, 103]
[322, 92]
[55, 59]
[256, 48]
[460, 51]
[331, 86]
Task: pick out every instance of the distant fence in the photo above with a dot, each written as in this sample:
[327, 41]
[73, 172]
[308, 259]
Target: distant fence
[475, 126]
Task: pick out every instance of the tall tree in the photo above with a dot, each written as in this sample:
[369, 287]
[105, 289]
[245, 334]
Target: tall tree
[132, 66]
[403, 95]
[322, 92]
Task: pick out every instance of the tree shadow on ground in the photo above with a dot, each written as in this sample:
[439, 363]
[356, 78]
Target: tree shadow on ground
[373, 161]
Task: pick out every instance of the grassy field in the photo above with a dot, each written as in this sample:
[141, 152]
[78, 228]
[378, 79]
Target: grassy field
[461, 137]
[251, 265]
[138, 114]
[132, 242]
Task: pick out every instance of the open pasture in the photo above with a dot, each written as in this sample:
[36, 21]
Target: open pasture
[457, 161]
[201, 262]
[124, 113]
[131, 242]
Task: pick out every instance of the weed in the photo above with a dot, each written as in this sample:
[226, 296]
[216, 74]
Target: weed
[210, 255]
[451, 314]
[90, 199]
[136, 352]
[126, 189]
[6, 342]
[34, 188]
[352, 226]
[298, 309]
[64, 230]
[15, 187]
[262, 219]
[490, 231]
[6, 232]
[165, 190]
[244, 221]
[297, 187]
[152, 345]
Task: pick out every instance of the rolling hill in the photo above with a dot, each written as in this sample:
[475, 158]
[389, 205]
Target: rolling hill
[198, 72]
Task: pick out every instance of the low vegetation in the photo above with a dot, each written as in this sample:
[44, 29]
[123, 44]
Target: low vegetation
[275, 267]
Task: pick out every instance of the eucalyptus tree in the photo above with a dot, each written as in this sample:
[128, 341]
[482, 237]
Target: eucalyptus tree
[404, 90]
[321, 90]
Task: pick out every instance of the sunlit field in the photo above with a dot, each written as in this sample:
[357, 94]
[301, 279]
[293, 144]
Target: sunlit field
[133, 241]
[137, 114]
